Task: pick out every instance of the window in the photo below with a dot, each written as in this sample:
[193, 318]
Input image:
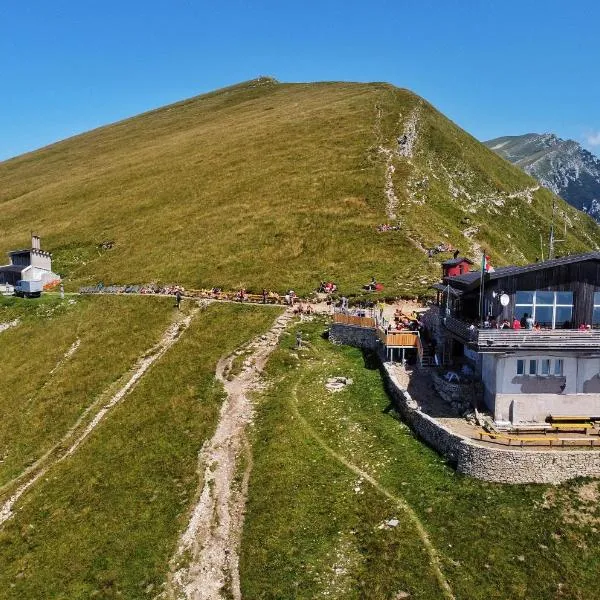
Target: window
[543, 367]
[596, 315]
[558, 367]
[550, 309]
[532, 367]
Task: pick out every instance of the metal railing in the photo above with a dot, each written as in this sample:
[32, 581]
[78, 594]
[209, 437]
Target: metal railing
[523, 338]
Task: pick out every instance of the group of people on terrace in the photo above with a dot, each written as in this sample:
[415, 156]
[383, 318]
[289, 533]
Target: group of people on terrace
[526, 322]
[402, 322]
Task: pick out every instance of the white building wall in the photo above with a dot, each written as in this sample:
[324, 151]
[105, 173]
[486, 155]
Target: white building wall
[488, 378]
[42, 260]
[527, 398]
[536, 408]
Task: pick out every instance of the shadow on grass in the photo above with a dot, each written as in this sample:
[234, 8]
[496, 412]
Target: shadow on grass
[371, 360]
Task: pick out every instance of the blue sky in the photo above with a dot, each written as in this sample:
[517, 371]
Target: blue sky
[495, 68]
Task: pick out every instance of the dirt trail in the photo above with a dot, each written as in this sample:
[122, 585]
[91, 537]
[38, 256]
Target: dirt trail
[209, 545]
[45, 463]
[405, 148]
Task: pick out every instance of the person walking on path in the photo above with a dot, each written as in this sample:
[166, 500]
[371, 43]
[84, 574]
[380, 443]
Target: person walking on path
[177, 298]
[344, 304]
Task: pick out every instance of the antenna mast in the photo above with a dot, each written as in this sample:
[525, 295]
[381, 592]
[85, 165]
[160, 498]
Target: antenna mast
[551, 245]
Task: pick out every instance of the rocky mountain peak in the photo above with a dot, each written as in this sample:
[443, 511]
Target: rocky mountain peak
[563, 166]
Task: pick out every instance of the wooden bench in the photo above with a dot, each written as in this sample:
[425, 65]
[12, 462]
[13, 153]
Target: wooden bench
[568, 419]
[572, 427]
[536, 440]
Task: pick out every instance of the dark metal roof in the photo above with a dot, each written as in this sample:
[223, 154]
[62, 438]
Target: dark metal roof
[456, 261]
[468, 279]
[13, 268]
[445, 288]
[465, 279]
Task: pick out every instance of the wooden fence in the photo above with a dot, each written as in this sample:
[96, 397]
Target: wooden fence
[353, 320]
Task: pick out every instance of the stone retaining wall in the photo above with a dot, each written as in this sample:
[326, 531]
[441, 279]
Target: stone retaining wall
[350, 335]
[492, 464]
[502, 465]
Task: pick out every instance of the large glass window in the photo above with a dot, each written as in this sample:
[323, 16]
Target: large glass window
[552, 310]
[596, 316]
[520, 367]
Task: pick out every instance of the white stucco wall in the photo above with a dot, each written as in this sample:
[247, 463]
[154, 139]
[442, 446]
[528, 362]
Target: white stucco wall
[43, 261]
[527, 408]
[526, 398]
[488, 378]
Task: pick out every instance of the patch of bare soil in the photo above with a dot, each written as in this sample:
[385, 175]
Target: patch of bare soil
[71, 440]
[580, 508]
[205, 566]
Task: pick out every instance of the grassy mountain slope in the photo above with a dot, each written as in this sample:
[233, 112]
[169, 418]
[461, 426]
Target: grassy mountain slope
[276, 185]
[104, 522]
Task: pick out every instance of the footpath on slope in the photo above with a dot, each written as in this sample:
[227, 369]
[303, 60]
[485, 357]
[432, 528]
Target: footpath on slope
[210, 544]
[435, 561]
[71, 441]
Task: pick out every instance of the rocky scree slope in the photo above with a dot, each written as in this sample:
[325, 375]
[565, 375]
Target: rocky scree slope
[563, 166]
[268, 184]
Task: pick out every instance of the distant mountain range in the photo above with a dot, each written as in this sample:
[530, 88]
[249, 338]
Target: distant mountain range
[563, 166]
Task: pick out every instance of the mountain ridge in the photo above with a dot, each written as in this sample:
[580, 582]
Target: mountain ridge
[277, 185]
[563, 166]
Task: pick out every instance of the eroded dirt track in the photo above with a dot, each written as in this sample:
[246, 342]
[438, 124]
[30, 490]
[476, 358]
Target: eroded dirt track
[209, 546]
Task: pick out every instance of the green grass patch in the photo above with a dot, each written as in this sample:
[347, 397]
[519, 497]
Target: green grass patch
[104, 522]
[183, 197]
[43, 391]
[309, 533]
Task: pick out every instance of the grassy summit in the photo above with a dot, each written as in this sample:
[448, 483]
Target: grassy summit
[275, 185]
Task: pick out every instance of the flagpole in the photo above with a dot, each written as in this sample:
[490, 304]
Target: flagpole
[481, 284]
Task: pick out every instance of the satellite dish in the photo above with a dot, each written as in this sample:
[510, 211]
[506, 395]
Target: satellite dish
[504, 300]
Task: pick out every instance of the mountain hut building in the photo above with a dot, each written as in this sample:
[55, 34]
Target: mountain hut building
[31, 264]
[528, 375]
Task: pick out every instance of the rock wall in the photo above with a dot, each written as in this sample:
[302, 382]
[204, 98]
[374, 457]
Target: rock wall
[492, 464]
[350, 335]
[502, 465]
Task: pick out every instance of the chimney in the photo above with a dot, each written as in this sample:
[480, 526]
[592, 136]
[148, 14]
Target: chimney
[35, 242]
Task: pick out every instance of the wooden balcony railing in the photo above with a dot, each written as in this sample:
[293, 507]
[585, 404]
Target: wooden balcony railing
[401, 339]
